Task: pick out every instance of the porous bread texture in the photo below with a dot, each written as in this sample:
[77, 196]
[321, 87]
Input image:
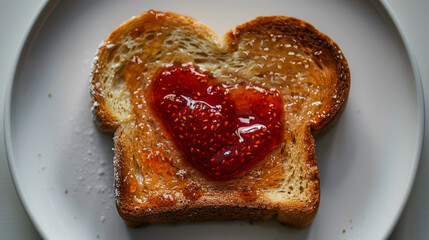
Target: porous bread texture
[153, 182]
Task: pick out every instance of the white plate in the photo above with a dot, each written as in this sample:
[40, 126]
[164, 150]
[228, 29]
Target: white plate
[62, 166]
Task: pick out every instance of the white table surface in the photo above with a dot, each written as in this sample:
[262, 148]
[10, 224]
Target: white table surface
[16, 18]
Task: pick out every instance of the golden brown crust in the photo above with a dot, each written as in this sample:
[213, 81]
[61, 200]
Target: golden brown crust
[212, 207]
[219, 201]
[315, 40]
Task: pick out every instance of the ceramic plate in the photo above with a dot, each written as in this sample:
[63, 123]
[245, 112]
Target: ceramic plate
[62, 166]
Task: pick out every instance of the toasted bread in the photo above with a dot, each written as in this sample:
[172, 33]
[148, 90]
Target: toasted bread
[153, 181]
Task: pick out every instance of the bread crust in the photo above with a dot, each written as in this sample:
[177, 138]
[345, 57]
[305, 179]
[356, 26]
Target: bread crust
[293, 213]
[314, 39]
[219, 201]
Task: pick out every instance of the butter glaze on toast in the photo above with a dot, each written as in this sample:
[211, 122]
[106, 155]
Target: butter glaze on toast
[153, 183]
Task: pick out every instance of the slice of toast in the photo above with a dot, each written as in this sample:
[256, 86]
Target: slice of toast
[153, 180]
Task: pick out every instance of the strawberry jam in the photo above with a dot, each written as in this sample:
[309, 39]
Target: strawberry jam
[222, 130]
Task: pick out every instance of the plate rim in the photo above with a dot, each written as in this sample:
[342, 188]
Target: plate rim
[382, 7]
[32, 31]
[390, 17]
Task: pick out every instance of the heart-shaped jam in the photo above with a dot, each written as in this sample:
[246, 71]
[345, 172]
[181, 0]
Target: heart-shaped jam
[222, 130]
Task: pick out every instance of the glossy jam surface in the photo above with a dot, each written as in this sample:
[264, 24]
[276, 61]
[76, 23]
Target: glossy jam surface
[222, 130]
